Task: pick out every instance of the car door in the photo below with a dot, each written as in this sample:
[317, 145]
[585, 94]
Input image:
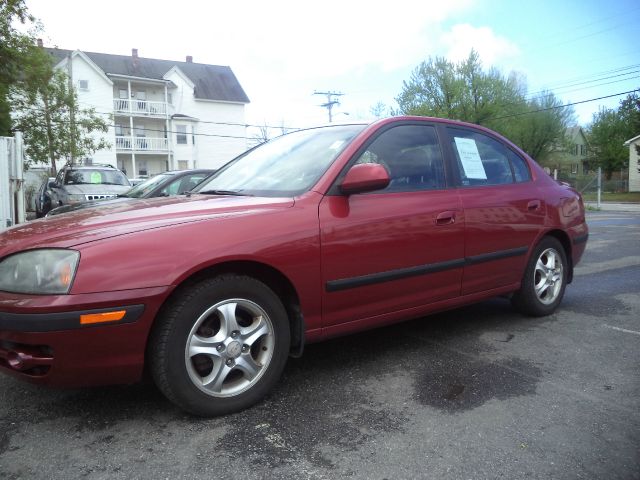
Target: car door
[397, 248]
[504, 212]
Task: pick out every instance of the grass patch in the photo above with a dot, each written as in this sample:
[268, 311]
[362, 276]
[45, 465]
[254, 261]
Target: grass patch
[612, 197]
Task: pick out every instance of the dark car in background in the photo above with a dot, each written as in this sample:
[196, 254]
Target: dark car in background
[43, 198]
[81, 183]
[165, 184]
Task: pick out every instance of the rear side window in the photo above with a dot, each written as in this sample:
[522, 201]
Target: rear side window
[520, 168]
[412, 156]
[483, 160]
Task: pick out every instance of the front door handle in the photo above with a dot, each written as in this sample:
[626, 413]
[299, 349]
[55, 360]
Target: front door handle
[533, 205]
[446, 218]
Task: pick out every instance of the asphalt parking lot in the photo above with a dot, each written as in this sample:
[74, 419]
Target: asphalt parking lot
[476, 393]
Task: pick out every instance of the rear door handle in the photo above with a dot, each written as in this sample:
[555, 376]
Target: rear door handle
[533, 205]
[446, 218]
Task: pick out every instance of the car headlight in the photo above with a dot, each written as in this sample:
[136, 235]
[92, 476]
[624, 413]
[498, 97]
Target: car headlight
[45, 271]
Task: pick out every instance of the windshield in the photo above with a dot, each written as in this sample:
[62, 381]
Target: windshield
[145, 187]
[285, 166]
[100, 177]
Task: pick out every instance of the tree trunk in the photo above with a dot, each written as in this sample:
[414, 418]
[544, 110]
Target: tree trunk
[47, 120]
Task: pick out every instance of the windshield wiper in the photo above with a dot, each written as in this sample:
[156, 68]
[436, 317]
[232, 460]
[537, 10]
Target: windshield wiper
[220, 192]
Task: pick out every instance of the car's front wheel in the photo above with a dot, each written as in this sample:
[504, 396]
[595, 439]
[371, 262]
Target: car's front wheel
[544, 281]
[220, 345]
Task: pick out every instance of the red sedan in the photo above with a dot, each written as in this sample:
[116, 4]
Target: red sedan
[315, 234]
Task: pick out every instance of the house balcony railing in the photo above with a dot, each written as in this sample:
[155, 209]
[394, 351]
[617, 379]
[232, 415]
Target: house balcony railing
[142, 144]
[145, 108]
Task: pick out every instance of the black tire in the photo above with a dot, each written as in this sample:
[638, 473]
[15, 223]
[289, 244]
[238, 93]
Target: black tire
[243, 330]
[551, 282]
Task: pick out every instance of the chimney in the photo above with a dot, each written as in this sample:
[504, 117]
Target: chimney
[39, 41]
[134, 52]
[189, 59]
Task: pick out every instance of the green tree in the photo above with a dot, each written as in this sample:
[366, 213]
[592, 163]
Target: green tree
[608, 131]
[46, 111]
[14, 48]
[462, 91]
[540, 129]
[466, 91]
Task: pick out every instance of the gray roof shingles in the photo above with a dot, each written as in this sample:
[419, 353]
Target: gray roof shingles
[212, 82]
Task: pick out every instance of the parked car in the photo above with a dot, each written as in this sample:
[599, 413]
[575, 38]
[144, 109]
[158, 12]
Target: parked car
[43, 198]
[82, 183]
[165, 184]
[318, 233]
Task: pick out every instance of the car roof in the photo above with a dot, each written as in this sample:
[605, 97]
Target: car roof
[95, 166]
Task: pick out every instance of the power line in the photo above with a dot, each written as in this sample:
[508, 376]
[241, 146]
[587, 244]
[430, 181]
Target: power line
[574, 28]
[596, 77]
[563, 106]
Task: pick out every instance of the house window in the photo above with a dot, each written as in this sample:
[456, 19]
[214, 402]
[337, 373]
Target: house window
[583, 150]
[170, 98]
[193, 135]
[83, 85]
[575, 149]
[181, 136]
[574, 168]
[183, 164]
[142, 168]
[119, 131]
[124, 94]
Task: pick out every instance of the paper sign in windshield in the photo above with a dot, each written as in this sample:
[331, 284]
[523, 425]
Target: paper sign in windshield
[470, 158]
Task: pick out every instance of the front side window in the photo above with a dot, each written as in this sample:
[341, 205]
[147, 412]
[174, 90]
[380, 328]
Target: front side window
[285, 166]
[483, 160]
[412, 156]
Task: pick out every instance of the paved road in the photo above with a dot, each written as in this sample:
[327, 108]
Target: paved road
[479, 392]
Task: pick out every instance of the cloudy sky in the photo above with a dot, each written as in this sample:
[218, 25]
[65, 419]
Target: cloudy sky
[282, 51]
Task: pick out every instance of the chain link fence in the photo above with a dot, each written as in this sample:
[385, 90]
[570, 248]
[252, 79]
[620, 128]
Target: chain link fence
[588, 184]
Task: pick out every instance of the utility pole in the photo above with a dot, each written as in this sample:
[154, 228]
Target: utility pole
[331, 101]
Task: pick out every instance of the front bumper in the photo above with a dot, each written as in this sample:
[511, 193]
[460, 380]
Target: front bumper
[43, 340]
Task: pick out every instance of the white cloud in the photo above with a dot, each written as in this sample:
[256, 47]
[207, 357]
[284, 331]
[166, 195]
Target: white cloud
[493, 49]
[281, 50]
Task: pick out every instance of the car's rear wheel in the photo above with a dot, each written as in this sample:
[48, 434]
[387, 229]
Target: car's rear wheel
[544, 281]
[220, 345]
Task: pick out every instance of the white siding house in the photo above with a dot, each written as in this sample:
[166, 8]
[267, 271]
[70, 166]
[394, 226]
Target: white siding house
[634, 163]
[165, 115]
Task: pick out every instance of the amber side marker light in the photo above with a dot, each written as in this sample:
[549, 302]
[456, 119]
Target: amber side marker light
[91, 318]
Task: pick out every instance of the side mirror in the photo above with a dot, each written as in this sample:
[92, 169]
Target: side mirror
[52, 184]
[365, 177]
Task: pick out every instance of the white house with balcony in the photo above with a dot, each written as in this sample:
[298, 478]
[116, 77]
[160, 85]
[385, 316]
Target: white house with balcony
[166, 115]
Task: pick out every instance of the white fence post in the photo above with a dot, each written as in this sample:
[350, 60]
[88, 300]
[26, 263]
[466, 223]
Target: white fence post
[12, 207]
[5, 189]
[599, 185]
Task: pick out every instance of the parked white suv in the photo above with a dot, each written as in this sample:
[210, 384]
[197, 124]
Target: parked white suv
[83, 183]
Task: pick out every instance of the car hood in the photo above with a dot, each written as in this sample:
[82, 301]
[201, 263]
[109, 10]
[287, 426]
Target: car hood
[104, 221]
[82, 205]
